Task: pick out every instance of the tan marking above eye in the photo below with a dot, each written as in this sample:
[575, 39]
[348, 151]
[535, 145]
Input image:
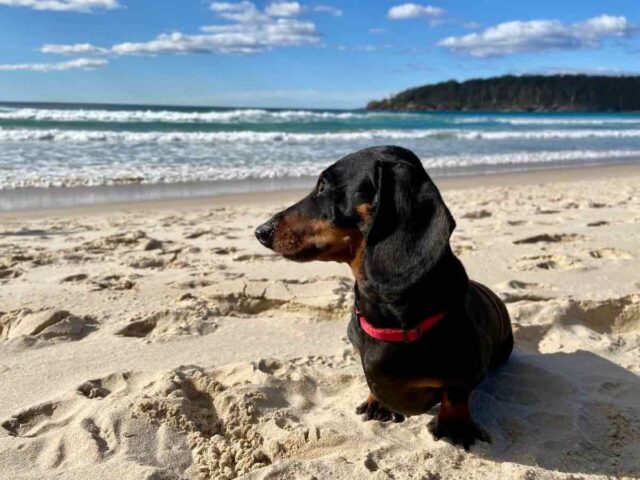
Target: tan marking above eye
[364, 211]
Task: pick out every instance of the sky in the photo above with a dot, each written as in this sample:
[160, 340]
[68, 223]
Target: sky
[297, 54]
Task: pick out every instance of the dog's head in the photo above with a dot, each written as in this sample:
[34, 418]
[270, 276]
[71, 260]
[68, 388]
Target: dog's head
[375, 209]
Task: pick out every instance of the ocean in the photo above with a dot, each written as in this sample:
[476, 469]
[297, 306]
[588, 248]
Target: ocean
[134, 151]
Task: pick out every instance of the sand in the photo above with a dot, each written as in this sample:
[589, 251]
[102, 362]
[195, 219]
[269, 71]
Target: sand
[160, 341]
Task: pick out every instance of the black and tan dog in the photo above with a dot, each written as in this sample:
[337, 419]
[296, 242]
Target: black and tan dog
[426, 334]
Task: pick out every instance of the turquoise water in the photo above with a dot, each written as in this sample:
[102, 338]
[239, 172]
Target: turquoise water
[53, 145]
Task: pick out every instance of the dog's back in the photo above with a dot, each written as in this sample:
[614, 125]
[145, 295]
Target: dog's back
[491, 315]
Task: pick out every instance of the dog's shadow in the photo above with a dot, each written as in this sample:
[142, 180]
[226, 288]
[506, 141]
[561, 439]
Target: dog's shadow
[572, 412]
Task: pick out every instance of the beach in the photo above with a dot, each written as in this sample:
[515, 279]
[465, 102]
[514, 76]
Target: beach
[160, 340]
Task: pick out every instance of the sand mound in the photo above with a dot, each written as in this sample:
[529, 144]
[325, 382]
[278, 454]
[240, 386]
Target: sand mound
[615, 315]
[115, 241]
[610, 327]
[168, 324]
[329, 298]
[14, 256]
[34, 328]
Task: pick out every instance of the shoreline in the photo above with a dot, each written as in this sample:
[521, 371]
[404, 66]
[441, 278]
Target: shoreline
[196, 201]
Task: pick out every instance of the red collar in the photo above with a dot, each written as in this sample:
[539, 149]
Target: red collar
[397, 334]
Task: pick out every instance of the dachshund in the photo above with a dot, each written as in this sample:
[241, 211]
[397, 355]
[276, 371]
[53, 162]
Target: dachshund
[425, 333]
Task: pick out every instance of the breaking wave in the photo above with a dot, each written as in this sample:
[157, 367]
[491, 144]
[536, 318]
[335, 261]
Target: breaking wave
[105, 172]
[250, 137]
[173, 116]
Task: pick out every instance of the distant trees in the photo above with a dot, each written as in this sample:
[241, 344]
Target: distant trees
[580, 93]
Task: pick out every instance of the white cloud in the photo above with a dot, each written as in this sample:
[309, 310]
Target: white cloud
[74, 49]
[330, 9]
[253, 31]
[84, 6]
[407, 11]
[244, 11]
[539, 35]
[283, 9]
[237, 38]
[76, 64]
[250, 31]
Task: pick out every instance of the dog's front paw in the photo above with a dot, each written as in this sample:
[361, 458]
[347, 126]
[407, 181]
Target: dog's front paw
[458, 433]
[374, 410]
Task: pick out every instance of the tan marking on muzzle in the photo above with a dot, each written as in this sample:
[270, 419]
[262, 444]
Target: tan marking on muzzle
[296, 235]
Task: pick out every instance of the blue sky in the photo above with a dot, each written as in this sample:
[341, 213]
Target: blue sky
[324, 54]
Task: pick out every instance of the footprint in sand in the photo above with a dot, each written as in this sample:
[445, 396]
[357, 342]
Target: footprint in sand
[81, 429]
[548, 211]
[147, 262]
[114, 282]
[195, 283]
[516, 223]
[257, 257]
[548, 262]
[110, 282]
[549, 238]
[512, 297]
[476, 214]
[26, 423]
[101, 387]
[198, 233]
[78, 277]
[518, 291]
[518, 284]
[610, 254]
[8, 273]
[224, 250]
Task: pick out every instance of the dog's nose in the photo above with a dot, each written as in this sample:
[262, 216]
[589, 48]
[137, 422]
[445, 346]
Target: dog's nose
[264, 233]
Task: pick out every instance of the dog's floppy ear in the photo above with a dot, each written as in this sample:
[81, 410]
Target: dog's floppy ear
[411, 225]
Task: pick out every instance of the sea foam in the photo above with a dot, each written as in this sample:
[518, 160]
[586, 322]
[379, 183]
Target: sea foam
[83, 136]
[79, 172]
[172, 116]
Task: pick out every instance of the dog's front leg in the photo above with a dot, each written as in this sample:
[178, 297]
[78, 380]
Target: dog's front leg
[454, 420]
[372, 409]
